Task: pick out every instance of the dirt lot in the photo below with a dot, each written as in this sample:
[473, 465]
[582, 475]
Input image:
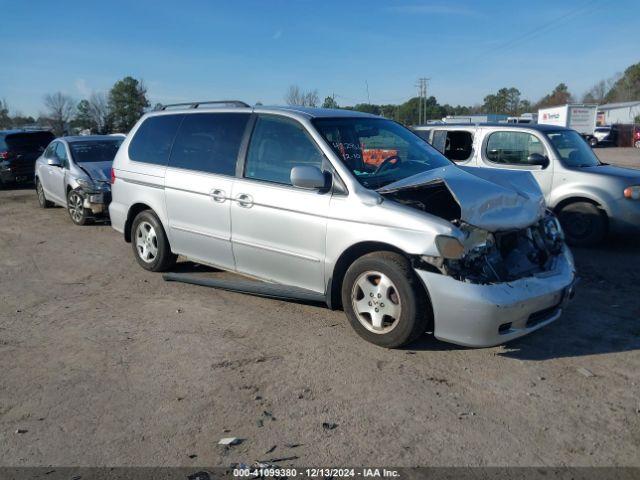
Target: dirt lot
[106, 364]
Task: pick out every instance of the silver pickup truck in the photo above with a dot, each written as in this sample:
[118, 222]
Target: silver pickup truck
[590, 198]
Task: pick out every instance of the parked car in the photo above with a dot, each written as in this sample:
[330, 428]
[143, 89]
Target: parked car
[410, 244]
[590, 198]
[636, 137]
[605, 135]
[74, 172]
[19, 150]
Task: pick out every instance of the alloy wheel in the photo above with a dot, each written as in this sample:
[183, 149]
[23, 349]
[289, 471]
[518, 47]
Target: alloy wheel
[146, 242]
[376, 302]
[40, 192]
[76, 207]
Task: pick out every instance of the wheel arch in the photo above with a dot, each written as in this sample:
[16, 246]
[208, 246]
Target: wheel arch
[578, 199]
[350, 255]
[134, 210]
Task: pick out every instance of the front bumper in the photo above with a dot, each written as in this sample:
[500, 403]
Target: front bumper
[98, 203]
[626, 217]
[486, 315]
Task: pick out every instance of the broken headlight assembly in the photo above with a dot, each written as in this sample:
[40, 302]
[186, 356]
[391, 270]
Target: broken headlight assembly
[86, 184]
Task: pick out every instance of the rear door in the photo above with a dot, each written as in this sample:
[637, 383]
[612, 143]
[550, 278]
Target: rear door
[278, 230]
[198, 185]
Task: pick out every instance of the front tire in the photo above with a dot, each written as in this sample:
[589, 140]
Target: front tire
[384, 301]
[42, 198]
[584, 224]
[150, 244]
[75, 206]
[593, 142]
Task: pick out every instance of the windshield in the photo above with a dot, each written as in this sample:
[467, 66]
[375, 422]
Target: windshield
[378, 151]
[572, 149]
[101, 151]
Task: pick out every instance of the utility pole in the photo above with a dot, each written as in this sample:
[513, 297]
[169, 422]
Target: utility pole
[422, 99]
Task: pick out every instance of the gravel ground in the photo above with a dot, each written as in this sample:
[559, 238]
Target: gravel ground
[106, 364]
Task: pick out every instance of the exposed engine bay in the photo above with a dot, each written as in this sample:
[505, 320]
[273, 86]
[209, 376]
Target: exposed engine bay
[507, 256]
[486, 257]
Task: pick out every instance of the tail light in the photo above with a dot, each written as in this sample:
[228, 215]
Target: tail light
[113, 176]
[4, 155]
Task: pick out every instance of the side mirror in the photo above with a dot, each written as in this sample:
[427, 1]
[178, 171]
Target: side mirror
[54, 162]
[537, 159]
[308, 177]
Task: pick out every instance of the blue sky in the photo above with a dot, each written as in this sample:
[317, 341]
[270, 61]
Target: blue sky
[253, 50]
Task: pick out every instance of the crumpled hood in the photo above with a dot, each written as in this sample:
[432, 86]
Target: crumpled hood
[491, 199]
[98, 171]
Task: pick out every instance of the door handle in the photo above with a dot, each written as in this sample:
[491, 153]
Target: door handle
[244, 200]
[218, 195]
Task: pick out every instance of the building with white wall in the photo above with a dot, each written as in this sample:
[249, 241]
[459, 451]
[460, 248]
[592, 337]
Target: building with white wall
[623, 112]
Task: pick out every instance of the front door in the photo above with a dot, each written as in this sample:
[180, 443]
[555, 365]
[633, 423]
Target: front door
[55, 181]
[278, 230]
[510, 149]
[198, 184]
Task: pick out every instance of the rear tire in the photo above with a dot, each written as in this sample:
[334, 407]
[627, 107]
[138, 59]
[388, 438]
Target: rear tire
[584, 224]
[42, 198]
[593, 142]
[150, 244]
[384, 300]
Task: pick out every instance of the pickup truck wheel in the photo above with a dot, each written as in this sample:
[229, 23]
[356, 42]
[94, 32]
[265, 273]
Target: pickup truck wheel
[384, 300]
[583, 223]
[42, 199]
[75, 206]
[150, 245]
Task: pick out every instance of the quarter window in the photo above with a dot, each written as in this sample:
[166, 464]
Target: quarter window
[512, 148]
[209, 142]
[277, 145]
[152, 142]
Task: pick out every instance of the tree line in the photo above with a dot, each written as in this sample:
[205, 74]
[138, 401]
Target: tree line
[102, 112]
[507, 101]
[120, 108]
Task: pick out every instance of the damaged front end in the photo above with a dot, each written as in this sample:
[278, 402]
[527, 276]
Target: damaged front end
[95, 195]
[485, 257]
[503, 231]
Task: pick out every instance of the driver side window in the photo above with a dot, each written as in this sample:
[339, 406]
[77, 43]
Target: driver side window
[277, 145]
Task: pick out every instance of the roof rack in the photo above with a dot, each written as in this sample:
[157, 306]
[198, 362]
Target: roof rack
[234, 103]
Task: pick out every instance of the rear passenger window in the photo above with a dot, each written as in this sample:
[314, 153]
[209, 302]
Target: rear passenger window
[209, 142]
[512, 148]
[277, 145]
[152, 142]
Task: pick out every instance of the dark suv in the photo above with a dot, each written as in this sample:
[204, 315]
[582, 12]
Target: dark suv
[19, 150]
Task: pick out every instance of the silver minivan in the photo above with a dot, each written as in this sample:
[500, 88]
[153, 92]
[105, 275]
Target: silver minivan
[590, 198]
[347, 207]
